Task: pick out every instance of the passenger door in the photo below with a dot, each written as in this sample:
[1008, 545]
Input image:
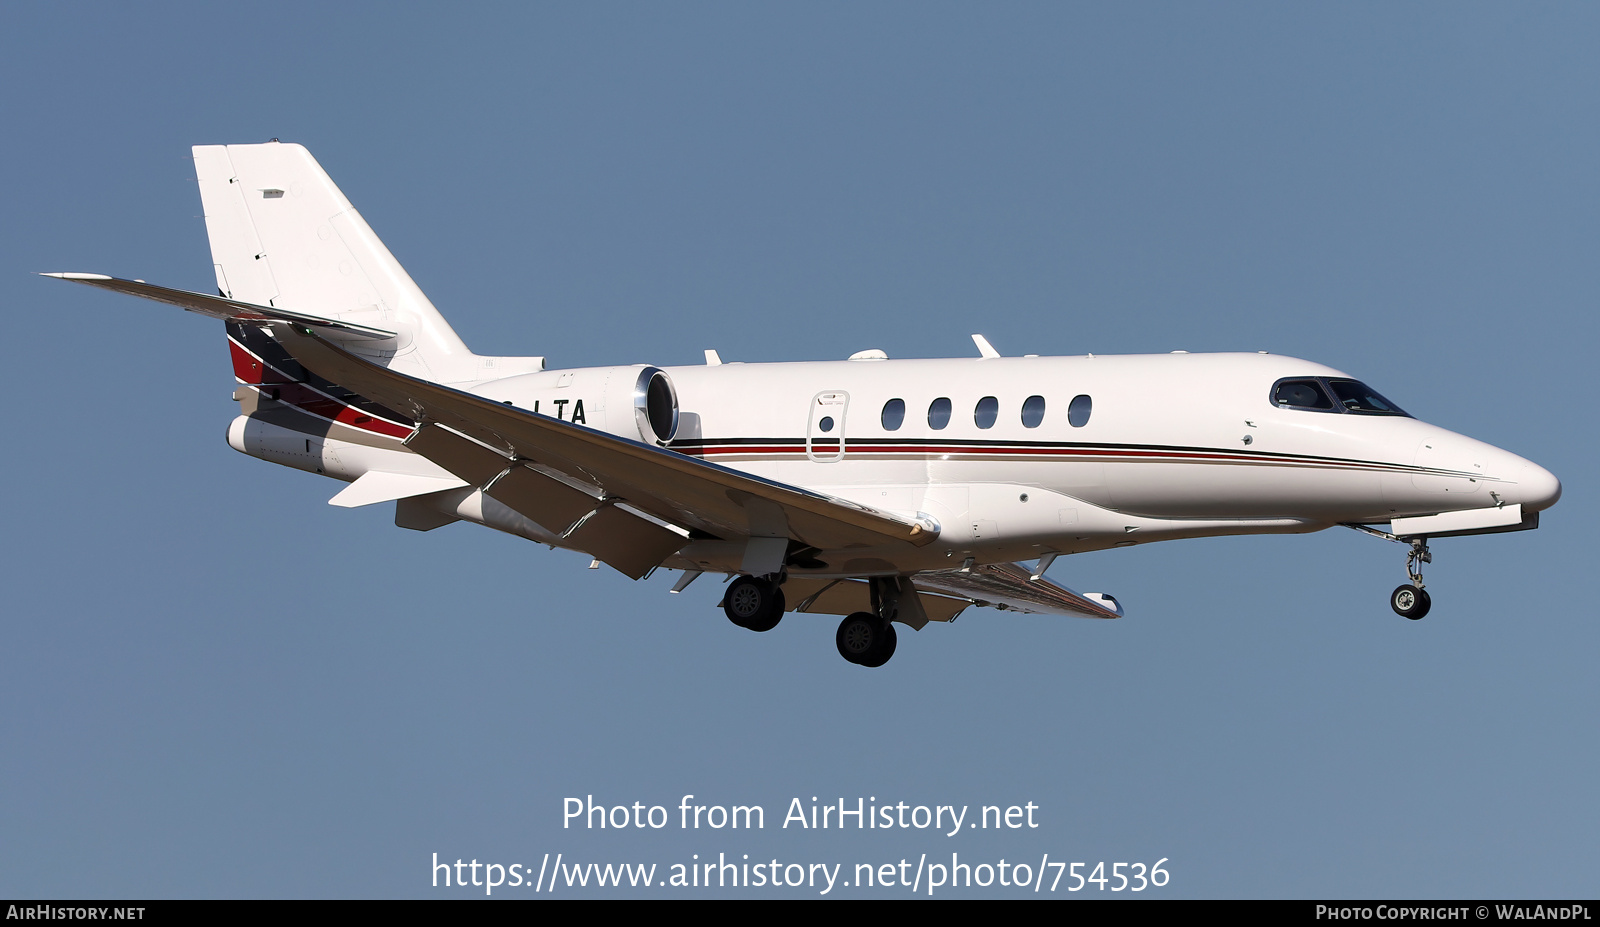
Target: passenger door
[825, 427]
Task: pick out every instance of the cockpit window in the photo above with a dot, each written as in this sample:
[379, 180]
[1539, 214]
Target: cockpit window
[1301, 394]
[1362, 399]
[1323, 394]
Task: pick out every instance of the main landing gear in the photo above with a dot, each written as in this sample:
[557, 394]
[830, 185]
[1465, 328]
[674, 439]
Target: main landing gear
[1411, 600]
[864, 638]
[754, 603]
[868, 638]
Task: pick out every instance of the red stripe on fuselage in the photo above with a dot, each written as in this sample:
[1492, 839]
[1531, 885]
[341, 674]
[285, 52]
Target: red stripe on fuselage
[915, 451]
[253, 371]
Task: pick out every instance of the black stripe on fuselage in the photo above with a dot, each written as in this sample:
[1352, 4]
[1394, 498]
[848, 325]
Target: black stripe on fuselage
[926, 447]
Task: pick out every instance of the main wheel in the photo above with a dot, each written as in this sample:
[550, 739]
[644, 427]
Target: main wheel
[747, 602]
[865, 640]
[857, 634]
[769, 619]
[884, 650]
[1410, 602]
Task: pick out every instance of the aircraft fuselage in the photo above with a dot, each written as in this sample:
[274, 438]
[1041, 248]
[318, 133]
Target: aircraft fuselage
[995, 453]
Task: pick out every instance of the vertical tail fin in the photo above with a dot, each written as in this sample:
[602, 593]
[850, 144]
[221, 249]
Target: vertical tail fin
[283, 235]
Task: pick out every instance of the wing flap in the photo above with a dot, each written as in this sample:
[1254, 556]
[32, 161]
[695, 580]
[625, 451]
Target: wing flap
[1007, 586]
[554, 505]
[631, 545]
[466, 458]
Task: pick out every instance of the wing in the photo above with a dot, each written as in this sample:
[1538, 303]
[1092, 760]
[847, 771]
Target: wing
[1009, 586]
[591, 487]
[220, 307]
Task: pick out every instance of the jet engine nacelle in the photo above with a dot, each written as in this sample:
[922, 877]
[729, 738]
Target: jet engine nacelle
[636, 402]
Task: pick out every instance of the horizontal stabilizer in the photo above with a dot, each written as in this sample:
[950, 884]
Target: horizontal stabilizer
[376, 486]
[219, 307]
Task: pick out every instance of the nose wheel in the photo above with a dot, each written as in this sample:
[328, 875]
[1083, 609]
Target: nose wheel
[1411, 600]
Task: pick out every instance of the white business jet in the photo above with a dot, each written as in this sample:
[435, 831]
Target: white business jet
[886, 491]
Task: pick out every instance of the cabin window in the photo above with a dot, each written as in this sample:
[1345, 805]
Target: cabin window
[1362, 399]
[938, 413]
[1301, 394]
[986, 411]
[1080, 409]
[894, 414]
[826, 424]
[1032, 411]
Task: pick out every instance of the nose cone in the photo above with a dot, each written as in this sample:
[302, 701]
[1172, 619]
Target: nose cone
[1539, 489]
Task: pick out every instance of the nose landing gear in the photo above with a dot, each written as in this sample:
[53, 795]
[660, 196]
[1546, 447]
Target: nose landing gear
[1411, 600]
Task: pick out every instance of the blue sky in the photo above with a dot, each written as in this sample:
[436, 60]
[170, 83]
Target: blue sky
[215, 684]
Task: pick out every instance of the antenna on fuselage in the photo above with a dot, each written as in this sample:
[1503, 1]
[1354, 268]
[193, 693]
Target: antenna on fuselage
[985, 349]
